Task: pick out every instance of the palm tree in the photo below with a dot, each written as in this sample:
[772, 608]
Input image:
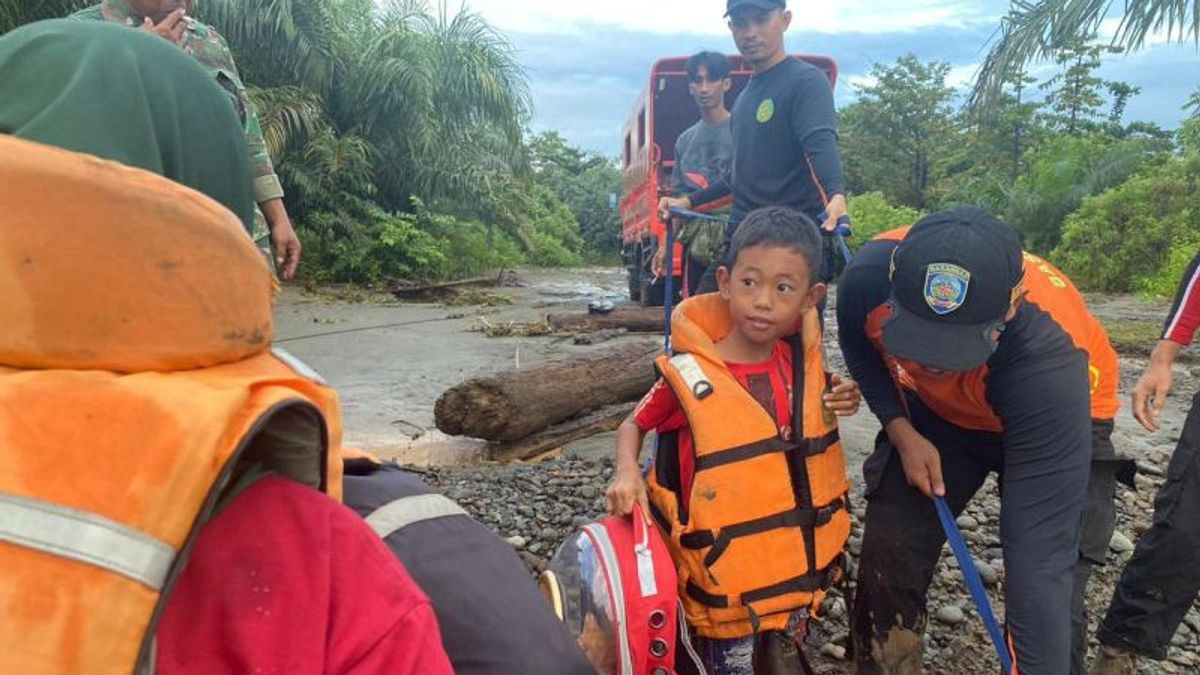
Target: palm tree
[1192, 107]
[15, 13]
[439, 100]
[1036, 29]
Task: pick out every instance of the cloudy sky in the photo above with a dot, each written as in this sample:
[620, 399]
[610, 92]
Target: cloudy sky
[587, 59]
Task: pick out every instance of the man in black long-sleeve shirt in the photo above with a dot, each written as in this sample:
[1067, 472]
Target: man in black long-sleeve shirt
[784, 130]
[969, 374]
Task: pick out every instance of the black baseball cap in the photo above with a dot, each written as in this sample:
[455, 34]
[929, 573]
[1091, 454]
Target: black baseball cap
[954, 278]
[732, 5]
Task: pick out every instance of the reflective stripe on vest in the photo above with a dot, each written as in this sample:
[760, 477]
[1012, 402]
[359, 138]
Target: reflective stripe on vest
[86, 537]
[395, 516]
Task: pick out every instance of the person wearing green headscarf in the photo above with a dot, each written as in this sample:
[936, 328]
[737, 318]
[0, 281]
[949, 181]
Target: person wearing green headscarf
[131, 98]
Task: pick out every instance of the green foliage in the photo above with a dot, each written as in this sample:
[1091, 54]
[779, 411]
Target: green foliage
[1074, 93]
[15, 13]
[1189, 135]
[1192, 107]
[872, 215]
[1129, 237]
[362, 243]
[894, 136]
[1060, 174]
[1164, 283]
[583, 182]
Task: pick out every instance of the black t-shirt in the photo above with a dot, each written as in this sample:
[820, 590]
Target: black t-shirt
[784, 143]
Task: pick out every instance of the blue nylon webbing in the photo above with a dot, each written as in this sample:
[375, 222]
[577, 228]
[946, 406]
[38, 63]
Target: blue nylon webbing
[971, 575]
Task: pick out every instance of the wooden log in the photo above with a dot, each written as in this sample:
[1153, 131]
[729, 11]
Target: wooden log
[632, 319]
[598, 336]
[514, 404]
[555, 437]
[401, 290]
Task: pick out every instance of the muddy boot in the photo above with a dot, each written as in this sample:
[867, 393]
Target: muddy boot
[1114, 662]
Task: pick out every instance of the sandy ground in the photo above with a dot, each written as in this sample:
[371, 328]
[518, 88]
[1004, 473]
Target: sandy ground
[390, 361]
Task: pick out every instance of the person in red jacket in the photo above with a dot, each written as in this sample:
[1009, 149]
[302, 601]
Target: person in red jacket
[1161, 580]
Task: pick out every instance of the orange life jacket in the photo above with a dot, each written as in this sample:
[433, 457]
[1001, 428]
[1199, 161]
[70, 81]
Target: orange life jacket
[135, 373]
[962, 397]
[767, 520]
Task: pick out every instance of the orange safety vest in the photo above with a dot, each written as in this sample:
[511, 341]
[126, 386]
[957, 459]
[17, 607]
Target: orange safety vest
[767, 521]
[135, 372]
[961, 398]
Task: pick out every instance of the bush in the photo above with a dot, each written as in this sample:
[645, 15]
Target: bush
[1064, 171]
[871, 215]
[1130, 237]
[1164, 283]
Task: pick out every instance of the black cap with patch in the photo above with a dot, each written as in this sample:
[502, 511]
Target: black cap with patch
[954, 278]
[733, 5]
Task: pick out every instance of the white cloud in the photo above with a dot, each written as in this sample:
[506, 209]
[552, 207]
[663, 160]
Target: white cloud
[704, 17]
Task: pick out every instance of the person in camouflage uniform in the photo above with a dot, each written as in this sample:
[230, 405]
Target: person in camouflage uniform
[168, 18]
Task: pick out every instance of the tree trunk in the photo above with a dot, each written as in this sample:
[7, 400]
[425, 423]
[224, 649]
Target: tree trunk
[598, 422]
[633, 319]
[511, 405]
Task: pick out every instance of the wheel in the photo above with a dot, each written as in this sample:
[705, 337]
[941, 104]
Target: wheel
[652, 292]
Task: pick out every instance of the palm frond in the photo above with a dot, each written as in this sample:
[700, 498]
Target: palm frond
[1034, 30]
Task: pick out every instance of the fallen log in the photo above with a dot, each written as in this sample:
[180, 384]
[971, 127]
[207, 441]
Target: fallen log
[599, 336]
[633, 319]
[511, 405]
[402, 290]
[598, 422]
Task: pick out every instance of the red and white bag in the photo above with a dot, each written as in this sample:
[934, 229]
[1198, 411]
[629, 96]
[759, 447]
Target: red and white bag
[613, 583]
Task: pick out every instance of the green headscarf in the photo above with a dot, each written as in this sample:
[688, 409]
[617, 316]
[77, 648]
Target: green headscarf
[124, 95]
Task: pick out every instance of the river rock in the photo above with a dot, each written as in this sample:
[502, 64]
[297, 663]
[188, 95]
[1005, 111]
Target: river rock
[951, 615]
[987, 573]
[1120, 543]
[833, 651]
[967, 523]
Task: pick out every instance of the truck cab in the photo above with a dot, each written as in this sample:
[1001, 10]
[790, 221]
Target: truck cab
[664, 109]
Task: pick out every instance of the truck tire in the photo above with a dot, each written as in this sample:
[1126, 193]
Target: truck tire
[652, 292]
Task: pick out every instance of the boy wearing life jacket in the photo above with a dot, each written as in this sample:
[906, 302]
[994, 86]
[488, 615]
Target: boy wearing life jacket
[748, 484]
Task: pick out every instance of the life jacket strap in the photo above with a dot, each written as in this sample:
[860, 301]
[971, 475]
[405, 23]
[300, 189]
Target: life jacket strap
[720, 540]
[811, 447]
[85, 537]
[808, 447]
[806, 583]
[741, 453]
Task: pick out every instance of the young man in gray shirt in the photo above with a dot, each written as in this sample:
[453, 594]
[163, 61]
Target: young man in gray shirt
[703, 156]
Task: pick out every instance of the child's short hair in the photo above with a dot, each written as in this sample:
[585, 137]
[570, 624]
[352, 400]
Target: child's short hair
[782, 227]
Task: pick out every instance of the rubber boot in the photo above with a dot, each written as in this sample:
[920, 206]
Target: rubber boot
[1111, 662]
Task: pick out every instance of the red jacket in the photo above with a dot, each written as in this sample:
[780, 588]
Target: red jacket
[287, 581]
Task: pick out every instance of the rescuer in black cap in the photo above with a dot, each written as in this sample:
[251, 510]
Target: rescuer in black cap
[972, 366]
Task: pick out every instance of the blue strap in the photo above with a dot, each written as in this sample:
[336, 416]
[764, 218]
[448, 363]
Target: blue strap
[971, 575]
[696, 215]
[839, 233]
[668, 288]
